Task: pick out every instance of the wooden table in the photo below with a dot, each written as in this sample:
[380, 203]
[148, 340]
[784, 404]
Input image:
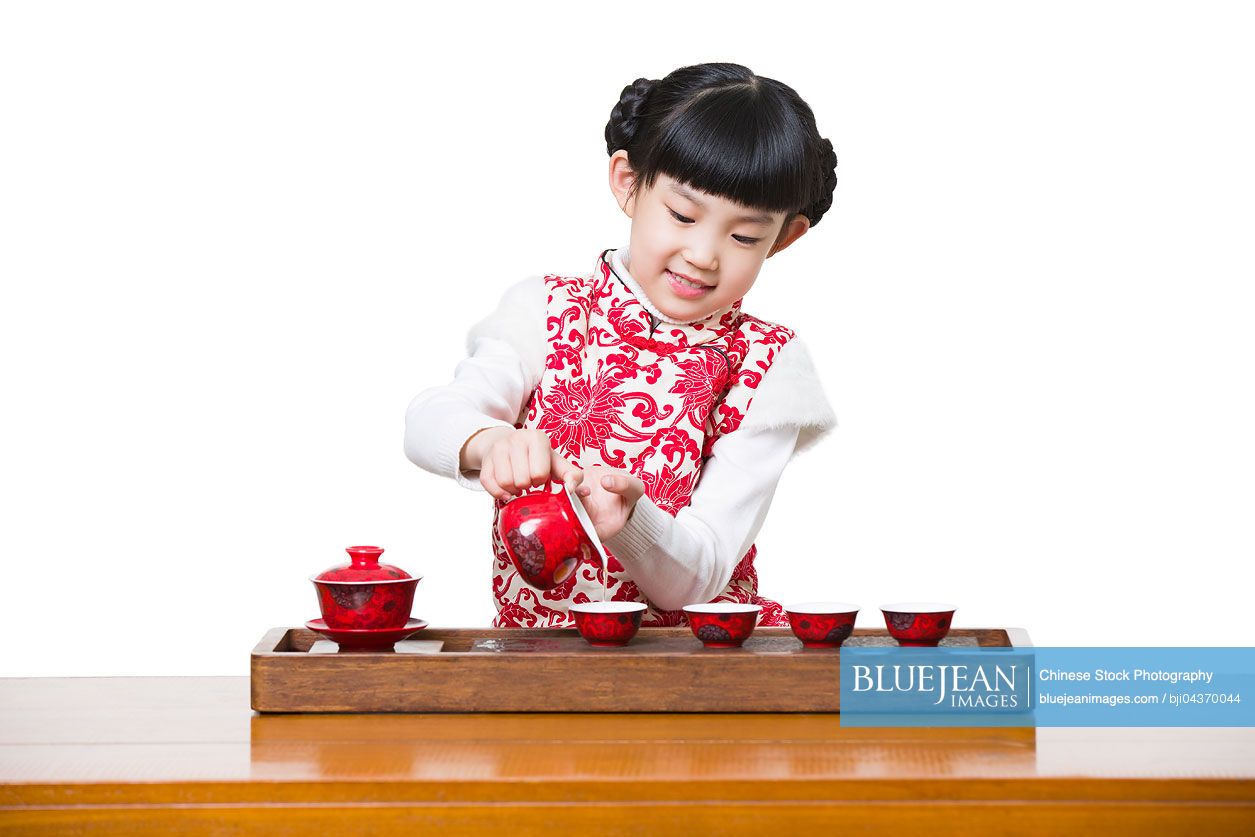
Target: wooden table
[147, 755]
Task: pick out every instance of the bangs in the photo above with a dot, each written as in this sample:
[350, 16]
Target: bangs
[738, 144]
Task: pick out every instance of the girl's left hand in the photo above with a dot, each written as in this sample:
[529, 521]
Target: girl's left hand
[609, 496]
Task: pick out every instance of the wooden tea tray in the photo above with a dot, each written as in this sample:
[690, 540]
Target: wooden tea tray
[555, 670]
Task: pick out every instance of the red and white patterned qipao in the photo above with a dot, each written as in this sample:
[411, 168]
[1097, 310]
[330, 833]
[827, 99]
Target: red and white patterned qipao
[625, 390]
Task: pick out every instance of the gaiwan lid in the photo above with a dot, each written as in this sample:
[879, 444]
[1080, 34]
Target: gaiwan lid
[365, 566]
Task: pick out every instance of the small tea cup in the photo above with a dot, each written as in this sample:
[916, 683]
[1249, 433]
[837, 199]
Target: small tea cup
[722, 624]
[918, 623]
[822, 624]
[608, 624]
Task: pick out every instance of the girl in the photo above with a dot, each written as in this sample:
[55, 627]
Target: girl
[643, 384]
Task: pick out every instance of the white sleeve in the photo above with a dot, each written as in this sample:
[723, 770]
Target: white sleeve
[689, 558]
[490, 388]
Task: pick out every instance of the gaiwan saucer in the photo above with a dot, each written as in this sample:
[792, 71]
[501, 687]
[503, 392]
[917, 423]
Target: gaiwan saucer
[365, 639]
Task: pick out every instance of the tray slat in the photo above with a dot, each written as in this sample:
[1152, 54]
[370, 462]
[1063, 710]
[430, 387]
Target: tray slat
[555, 670]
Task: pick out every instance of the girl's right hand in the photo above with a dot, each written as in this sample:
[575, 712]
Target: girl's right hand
[511, 460]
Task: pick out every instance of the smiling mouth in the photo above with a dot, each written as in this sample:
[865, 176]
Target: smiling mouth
[684, 280]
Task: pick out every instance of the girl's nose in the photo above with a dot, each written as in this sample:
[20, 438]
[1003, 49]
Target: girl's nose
[701, 256]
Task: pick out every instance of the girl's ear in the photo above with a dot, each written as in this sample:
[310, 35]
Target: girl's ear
[792, 230]
[622, 179]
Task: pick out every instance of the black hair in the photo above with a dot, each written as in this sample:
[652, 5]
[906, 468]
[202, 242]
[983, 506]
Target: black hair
[721, 129]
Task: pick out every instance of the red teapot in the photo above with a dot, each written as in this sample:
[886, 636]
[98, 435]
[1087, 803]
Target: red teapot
[547, 533]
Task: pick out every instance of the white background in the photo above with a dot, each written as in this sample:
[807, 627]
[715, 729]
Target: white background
[237, 238]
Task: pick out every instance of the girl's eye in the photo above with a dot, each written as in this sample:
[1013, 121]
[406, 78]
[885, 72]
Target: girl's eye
[744, 239]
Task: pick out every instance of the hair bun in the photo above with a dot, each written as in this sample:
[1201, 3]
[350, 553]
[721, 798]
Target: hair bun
[626, 115]
[829, 166]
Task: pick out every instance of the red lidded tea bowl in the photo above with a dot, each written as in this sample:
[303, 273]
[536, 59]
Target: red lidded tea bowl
[364, 593]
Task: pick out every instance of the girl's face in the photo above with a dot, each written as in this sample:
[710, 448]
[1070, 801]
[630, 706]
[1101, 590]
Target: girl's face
[691, 252]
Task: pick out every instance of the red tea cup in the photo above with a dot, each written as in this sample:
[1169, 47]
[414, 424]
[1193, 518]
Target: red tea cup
[547, 534]
[608, 624]
[822, 624]
[722, 624]
[365, 594]
[918, 623]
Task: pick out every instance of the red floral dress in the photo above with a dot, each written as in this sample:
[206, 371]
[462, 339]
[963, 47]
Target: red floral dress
[624, 390]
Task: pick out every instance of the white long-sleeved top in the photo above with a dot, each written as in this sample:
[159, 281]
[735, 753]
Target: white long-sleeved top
[673, 560]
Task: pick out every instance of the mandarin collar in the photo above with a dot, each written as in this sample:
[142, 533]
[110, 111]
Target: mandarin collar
[639, 322]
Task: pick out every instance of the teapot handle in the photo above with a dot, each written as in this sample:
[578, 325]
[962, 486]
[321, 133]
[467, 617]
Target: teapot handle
[532, 489]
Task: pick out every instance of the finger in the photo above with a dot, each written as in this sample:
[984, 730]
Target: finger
[560, 466]
[520, 469]
[615, 484]
[571, 475]
[502, 470]
[489, 481]
[538, 458]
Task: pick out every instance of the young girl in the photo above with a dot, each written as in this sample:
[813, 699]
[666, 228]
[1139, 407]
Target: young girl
[643, 384]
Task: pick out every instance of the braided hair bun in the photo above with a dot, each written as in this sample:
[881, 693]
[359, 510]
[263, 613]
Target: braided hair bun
[625, 118]
[828, 167]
